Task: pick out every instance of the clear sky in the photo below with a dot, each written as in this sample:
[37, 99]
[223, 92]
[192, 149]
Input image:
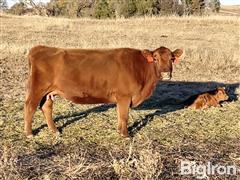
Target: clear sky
[11, 2]
[230, 2]
[223, 2]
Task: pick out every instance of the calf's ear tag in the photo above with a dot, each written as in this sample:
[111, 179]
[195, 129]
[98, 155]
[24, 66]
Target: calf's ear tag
[148, 55]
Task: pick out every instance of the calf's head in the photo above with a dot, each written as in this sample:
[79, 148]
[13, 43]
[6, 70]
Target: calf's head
[163, 59]
[221, 94]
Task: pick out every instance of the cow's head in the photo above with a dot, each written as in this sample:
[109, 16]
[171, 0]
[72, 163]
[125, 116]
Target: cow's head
[163, 59]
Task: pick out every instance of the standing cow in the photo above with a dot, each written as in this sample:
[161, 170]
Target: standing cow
[122, 76]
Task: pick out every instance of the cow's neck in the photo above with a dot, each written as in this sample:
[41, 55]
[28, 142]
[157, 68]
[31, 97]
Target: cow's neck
[149, 84]
[152, 74]
[156, 72]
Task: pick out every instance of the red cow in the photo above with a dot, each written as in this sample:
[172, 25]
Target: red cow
[122, 76]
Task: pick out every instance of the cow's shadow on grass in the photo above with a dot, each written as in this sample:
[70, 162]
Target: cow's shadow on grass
[76, 116]
[170, 96]
[167, 97]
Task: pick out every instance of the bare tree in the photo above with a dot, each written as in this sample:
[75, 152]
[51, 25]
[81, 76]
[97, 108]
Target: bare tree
[76, 7]
[3, 4]
[68, 8]
[40, 8]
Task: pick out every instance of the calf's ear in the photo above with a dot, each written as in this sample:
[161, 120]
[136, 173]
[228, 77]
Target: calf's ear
[148, 55]
[177, 55]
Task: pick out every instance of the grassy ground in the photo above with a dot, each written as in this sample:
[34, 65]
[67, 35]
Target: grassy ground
[163, 132]
[230, 10]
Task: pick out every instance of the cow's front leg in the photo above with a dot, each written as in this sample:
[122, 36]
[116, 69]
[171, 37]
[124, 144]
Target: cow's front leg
[122, 111]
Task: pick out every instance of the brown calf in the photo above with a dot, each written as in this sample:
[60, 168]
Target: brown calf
[208, 99]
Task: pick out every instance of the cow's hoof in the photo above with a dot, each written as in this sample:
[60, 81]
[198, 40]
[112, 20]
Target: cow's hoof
[119, 131]
[125, 135]
[57, 133]
[29, 136]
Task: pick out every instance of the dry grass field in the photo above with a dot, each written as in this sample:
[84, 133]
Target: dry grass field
[230, 10]
[163, 131]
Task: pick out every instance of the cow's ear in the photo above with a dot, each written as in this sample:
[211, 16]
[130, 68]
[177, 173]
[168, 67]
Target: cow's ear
[177, 55]
[148, 55]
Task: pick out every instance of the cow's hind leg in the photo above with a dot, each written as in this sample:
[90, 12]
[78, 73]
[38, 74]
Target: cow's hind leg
[30, 107]
[123, 110]
[47, 107]
[33, 98]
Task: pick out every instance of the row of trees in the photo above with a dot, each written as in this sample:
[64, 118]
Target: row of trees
[113, 8]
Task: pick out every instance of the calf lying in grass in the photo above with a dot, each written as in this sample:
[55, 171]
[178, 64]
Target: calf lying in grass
[207, 99]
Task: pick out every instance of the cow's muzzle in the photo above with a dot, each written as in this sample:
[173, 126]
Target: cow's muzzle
[166, 75]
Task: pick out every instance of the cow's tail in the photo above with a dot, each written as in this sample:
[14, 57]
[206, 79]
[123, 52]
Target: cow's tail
[29, 66]
[31, 74]
[30, 59]
[28, 80]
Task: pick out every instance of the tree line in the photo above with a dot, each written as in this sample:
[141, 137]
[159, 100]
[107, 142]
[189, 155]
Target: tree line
[112, 8]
